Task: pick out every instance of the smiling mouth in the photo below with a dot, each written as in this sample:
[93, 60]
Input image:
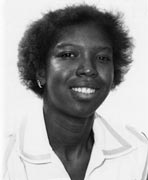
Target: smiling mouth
[84, 90]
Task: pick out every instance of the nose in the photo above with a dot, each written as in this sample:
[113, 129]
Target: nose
[87, 69]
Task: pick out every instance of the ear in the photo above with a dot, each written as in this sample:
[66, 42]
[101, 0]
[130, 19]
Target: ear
[40, 75]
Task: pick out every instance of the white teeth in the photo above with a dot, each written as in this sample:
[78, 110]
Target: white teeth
[84, 90]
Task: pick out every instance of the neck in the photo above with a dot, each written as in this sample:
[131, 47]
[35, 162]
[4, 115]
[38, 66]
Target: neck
[68, 134]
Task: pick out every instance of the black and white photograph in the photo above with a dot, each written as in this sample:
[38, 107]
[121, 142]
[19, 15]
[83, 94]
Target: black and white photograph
[75, 90]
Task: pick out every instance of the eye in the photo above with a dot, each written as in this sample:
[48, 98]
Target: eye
[66, 55]
[103, 58]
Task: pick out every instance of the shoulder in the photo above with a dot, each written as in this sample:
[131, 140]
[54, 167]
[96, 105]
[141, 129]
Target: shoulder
[135, 136]
[127, 145]
[121, 138]
[138, 140]
[127, 132]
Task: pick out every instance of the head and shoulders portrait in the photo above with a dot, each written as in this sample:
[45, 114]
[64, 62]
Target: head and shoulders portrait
[72, 58]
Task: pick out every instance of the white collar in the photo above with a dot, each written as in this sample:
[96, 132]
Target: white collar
[34, 147]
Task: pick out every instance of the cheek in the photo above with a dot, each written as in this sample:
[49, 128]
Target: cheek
[106, 75]
[59, 68]
[57, 77]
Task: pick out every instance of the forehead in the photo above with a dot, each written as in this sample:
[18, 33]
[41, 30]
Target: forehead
[84, 35]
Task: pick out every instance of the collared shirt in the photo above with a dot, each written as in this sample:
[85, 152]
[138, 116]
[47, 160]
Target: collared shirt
[118, 153]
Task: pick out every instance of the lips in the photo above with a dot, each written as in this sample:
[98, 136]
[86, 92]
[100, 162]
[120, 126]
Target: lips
[85, 90]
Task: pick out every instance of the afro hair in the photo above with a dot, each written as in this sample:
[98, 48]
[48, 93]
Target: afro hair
[41, 34]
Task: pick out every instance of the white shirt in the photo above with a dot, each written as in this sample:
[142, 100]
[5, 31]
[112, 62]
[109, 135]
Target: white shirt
[118, 153]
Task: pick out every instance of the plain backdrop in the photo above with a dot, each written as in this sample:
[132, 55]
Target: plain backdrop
[127, 104]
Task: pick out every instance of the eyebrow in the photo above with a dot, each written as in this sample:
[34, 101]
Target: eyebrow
[99, 48]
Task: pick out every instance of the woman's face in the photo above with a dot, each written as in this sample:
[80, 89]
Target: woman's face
[79, 72]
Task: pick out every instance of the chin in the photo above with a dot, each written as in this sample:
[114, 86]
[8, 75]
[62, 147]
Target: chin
[82, 112]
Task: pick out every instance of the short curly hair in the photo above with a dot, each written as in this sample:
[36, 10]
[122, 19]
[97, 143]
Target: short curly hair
[41, 34]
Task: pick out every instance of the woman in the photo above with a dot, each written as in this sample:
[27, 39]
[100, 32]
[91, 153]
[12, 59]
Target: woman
[72, 58]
